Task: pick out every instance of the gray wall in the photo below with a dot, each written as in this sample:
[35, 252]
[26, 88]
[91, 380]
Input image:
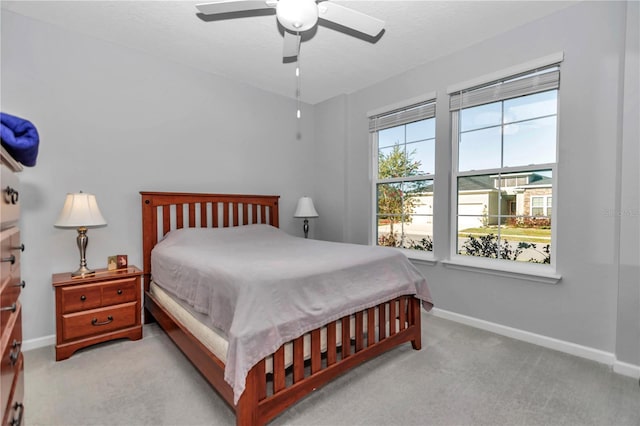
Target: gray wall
[114, 122]
[596, 302]
[628, 330]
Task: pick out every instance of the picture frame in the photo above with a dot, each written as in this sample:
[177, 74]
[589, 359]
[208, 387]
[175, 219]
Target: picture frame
[122, 261]
[112, 263]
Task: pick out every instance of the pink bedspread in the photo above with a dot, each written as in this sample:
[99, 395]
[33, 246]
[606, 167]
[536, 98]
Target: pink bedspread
[263, 287]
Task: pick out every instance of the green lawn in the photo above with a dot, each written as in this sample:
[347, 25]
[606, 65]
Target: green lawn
[530, 235]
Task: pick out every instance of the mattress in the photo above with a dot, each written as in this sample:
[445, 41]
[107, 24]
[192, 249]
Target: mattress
[215, 341]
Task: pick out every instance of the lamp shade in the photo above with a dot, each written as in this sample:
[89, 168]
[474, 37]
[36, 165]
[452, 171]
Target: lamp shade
[80, 210]
[305, 208]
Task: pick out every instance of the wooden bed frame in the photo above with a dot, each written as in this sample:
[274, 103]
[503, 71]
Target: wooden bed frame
[268, 394]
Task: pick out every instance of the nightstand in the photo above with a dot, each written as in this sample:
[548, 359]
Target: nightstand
[96, 308]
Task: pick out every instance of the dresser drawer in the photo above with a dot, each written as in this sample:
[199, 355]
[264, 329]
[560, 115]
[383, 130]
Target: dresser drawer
[14, 414]
[10, 250]
[11, 354]
[9, 293]
[98, 321]
[81, 298]
[10, 198]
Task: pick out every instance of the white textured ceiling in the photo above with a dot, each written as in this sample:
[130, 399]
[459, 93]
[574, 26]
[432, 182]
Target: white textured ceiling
[249, 49]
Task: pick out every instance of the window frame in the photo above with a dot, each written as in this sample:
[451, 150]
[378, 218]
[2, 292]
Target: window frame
[428, 99]
[526, 270]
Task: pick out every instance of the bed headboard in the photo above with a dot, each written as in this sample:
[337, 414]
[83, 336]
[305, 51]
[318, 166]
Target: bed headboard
[164, 211]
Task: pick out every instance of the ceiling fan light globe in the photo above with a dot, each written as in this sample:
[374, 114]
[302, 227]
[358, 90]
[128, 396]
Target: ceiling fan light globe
[297, 15]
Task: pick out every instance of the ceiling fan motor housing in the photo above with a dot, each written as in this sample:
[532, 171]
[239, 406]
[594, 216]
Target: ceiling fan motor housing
[297, 15]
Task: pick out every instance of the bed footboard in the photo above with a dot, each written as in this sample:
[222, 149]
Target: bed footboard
[267, 395]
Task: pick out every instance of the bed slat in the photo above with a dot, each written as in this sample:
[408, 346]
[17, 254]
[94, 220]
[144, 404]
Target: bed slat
[359, 331]
[382, 321]
[192, 215]
[225, 215]
[298, 359]
[331, 343]
[371, 326]
[316, 351]
[278, 370]
[392, 317]
[346, 337]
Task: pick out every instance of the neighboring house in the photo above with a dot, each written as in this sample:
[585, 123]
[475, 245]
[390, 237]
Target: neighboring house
[490, 199]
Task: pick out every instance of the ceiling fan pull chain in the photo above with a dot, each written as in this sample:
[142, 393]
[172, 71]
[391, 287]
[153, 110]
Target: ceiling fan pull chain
[298, 86]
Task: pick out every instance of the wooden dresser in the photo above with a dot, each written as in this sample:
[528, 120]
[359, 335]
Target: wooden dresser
[12, 364]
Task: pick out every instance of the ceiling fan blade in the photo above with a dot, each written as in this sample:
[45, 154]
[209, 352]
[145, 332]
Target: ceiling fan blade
[350, 18]
[291, 44]
[229, 6]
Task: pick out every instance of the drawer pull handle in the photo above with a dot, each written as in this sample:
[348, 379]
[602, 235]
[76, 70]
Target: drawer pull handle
[11, 259]
[13, 357]
[22, 284]
[17, 421]
[11, 308]
[16, 343]
[20, 247]
[11, 195]
[119, 291]
[83, 297]
[96, 323]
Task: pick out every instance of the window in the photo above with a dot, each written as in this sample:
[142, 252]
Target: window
[404, 166]
[504, 160]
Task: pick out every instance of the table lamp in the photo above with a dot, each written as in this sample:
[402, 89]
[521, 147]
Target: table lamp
[306, 210]
[81, 211]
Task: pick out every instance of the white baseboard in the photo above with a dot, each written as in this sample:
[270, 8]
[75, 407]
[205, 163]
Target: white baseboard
[627, 369]
[40, 342]
[603, 357]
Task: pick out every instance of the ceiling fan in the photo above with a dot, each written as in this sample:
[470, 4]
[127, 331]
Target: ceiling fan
[298, 16]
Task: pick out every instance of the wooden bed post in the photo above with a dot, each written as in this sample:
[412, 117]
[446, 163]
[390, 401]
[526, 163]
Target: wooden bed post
[247, 408]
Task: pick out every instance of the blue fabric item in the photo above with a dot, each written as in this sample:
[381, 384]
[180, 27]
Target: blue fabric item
[20, 138]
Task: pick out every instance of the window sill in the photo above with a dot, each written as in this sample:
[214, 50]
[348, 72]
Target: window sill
[422, 257]
[540, 273]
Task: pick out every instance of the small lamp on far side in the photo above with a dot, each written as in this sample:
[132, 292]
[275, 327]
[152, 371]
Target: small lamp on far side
[306, 210]
[81, 211]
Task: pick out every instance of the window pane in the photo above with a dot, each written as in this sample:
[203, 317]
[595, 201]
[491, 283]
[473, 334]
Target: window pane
[481, 116]
[391, 136]
[423, 129]
[530, 142]
[422, 153]
[480, 149]
[505, 222]
[531, 106]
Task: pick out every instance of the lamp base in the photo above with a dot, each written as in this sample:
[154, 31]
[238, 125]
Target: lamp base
[83, 271]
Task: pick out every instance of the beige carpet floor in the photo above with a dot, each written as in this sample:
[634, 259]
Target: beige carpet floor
[462, 376]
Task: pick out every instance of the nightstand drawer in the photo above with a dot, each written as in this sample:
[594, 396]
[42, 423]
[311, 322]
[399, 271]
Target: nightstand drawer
[98, 321]
[120, 291]
[80, 298]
